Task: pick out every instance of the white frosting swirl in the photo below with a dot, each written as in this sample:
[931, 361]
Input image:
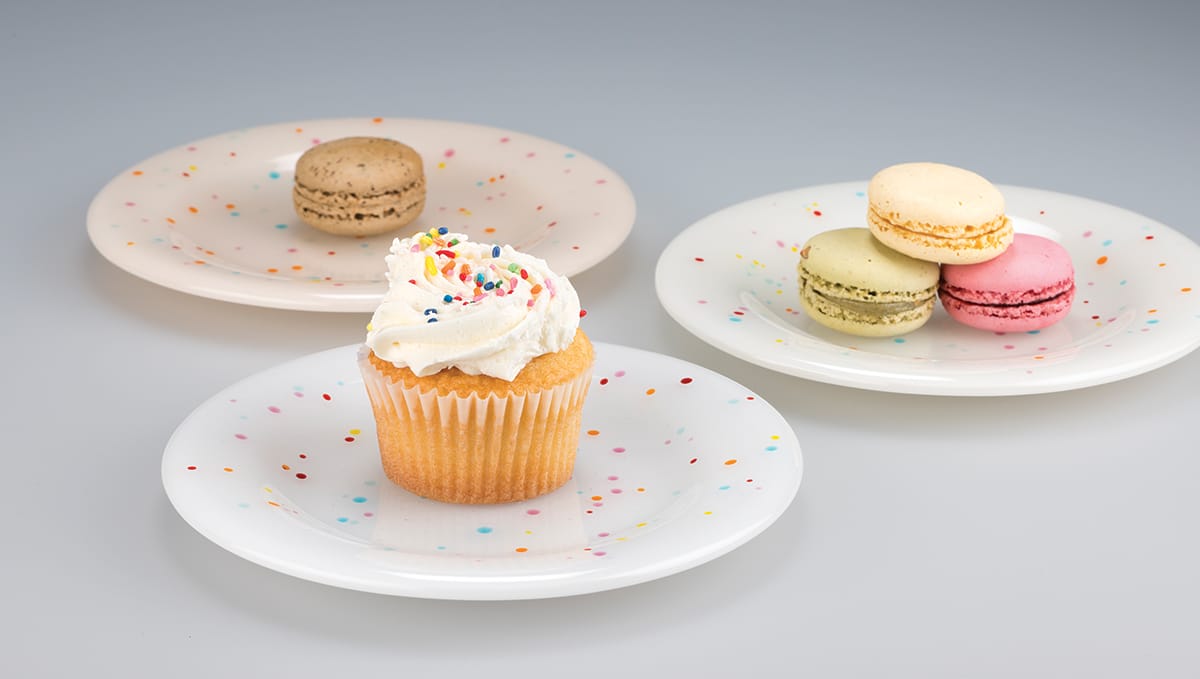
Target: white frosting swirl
[482, 308]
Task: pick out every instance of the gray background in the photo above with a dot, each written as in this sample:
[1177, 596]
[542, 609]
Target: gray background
[1045, 536]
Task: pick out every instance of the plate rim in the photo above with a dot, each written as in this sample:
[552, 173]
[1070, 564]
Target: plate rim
[326, 302]
[846, 379]
[575, 583]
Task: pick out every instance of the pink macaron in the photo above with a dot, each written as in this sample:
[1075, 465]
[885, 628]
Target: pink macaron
[1028, 287]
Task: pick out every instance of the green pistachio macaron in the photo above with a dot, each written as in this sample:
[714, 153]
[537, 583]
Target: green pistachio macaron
[852, 283]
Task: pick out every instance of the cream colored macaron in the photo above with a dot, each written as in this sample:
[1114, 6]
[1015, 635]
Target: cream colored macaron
[852, 283]
[938, 213]
[359, 186]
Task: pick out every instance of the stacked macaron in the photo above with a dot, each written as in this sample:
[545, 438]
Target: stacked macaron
[933, 222]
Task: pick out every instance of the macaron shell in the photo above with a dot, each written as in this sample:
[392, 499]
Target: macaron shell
[863, 268]
[925, 196]
[1029, 287]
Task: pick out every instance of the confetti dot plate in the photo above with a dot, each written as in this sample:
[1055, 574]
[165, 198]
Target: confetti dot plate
[677, 465]
[731, 280]
[214, 217]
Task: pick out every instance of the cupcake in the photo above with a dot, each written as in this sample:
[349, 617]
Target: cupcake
[476, 370]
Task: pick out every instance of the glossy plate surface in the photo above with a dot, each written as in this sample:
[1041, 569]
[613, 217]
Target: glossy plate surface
[214, 217]
[677, 465]
[731, 280]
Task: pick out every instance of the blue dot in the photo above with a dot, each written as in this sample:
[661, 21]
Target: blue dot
[441, 546]
[860, 194]
[244, 505]
[1122, 282]
[273, 175]
[369, 483]
[899, 340]
[1152, 321]
[734, 319]
[772, 447]
[1033, 332]
[360, 499]
[342, 519]
[723, 488]
[478, 183]
[281, 226]
[1107, 243]
[568, 155]
[235, 214]
[484, 529]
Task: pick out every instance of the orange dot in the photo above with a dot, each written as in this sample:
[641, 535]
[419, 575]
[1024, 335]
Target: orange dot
[521, 550]
[198, 261]
[489, 230]
[641, 490]
[593, 432]
[272, 270]
[273, 503]
[1152, 311]
[138, 173]
[209, 252]
[285, 467]
[730, 461]
[129, 242]
[597, 497]
[170, 221]
[299, 130]
[377, 120]
[296, 267]
[649, 392]
[229, 469]
[1102, 260]
[1038, 357]
[1161, 264]
[1185, 289]
[491, 180]
[229, 206]
[193, 209]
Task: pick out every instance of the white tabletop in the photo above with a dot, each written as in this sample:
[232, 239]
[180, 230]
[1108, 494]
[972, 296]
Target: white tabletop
[1047, 536]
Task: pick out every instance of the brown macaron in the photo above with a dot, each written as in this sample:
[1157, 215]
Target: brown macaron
[359, 186]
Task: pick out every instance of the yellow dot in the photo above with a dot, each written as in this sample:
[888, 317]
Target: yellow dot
[268, 489]
[708, 513]
[356, 431]
[774, 438]
[441, 166]
[641, 525]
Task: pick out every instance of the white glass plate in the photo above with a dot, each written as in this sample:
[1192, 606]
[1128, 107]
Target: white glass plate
[731, 280]
[214, 217]
[677, 465]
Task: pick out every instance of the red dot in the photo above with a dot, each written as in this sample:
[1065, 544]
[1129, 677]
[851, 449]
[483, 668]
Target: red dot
[686, 380]
[349, 439]
[582, 313]
[603, 381]
[817, 213]
[301, 475]
[749, 398]
[303, 456]
[699, 259]
[191, 468]
[1149, 237]
[327, 397]
[693, 460]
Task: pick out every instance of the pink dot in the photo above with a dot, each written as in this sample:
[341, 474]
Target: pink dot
[533, 512]
[530, 154]
[240, 437]
[1087, 234]
[612, 478]
[273, 409]
[1009, 346]
[449, 153]
[599, 553]
[597, 504]
[615, 491]
[129, 203]
[503, 140]
[315, 141]
[368, 514]
[603, 535]
[618, 450]
[601, 181]
[298, 394]
[702, 301]
[191, 148]
[292, 250]
[619, 373]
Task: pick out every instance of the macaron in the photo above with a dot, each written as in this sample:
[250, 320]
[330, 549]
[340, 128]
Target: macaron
[359, 186]
[852, 283]
[938, 213]
[1029, 287]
